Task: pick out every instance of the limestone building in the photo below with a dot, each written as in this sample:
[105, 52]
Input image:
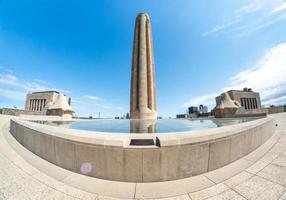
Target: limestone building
[143, 86]
[48, 103]
[238, 103]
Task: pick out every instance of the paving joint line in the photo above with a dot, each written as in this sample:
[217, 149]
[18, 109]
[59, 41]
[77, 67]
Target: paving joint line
[271, 181]
[284, 192]
[209, 179]
[217, 193]
[239, 194]
[189, 195]
[241, 181]
[135, 190]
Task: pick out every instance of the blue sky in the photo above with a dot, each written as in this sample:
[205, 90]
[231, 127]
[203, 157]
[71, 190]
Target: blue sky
[83, 48]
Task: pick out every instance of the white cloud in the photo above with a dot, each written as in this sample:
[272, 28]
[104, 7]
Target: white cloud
[245, 9]
[91, 105]
[13, 95]
[222, 26]
[11, 86]
[92, 97]
[42, 81]
[7, 79]
[250, 8]
[242, 21]
[100, 103]
[268, 77]
[249, 29]
[205, 100]
[279, 8]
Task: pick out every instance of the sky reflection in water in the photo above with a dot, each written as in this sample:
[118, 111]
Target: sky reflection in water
[148, 126]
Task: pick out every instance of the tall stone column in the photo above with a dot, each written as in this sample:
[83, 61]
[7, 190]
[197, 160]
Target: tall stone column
[143, 86]
[34, 105]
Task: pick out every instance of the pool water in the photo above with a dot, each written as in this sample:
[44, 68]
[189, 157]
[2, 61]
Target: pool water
[147, 126]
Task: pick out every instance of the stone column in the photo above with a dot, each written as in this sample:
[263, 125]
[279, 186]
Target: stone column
[41, 104]
[143, 87]
[38, 102]
[33, 104]
[30, 104]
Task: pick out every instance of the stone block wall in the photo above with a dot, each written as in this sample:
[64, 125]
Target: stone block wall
[112, 158]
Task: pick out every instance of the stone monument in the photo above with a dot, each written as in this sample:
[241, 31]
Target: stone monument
[143, 86]
[239, 103]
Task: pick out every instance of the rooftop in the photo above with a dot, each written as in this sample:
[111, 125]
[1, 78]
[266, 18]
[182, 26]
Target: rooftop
[51, 91]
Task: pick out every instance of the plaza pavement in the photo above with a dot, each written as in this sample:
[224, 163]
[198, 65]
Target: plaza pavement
[259, 175]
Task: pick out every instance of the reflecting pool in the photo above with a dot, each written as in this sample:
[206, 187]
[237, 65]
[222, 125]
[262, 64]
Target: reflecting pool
[147, 126]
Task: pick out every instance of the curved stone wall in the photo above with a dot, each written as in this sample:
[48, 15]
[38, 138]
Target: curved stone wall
[173, 156]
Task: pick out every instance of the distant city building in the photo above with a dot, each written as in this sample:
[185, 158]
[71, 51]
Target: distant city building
[11, 111]
[182, 116]
[238, 103]
[193, 110]
[48, 103]
[276, 109]
[127, 116]
[203, 109]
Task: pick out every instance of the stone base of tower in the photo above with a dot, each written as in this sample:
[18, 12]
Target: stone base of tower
[140, 115]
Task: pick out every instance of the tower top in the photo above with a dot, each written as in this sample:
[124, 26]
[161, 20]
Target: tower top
[140, 15]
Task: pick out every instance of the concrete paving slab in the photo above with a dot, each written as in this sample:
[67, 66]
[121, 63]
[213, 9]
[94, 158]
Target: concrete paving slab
[269, 157]
[56, 195]
[237, 179]
[283, 153]
[181, 197]
[209, 192]
[103, 187]
[101, 197]
[282, 139]
[277, 148]
[171, 188]
[259, 188]
[76, 192]
[283, 197]
[17, 187]
[227, 195]
[228, 171]
[280, 160]
[274, 173]
[256, 167]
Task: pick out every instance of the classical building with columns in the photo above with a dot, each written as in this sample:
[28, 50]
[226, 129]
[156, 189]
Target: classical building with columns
[45, 102]
[238, 103]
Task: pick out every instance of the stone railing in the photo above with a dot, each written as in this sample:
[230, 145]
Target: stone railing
[120, 157]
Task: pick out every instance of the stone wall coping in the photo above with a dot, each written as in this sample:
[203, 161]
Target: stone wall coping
[122, 140]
